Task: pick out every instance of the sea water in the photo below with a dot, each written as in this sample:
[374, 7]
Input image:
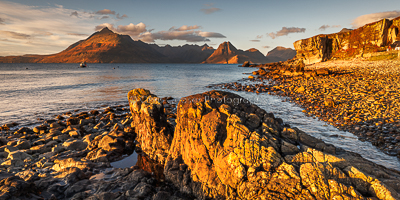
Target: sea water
[40, 91]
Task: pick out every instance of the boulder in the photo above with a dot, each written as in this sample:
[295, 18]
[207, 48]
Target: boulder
[61, 164]
[76, 145]
[23, 144]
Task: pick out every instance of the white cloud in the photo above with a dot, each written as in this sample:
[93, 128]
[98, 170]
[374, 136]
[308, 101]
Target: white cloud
[286, 31]
[373, 17]
[130, 29]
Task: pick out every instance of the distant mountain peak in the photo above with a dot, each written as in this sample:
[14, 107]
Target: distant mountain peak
[280, 53]
[106, 30]
[253, 50]
[206, 47]
[226, 48]
[281, 48]
[227, 53]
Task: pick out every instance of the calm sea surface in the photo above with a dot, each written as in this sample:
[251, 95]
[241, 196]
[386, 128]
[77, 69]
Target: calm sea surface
[31, 91]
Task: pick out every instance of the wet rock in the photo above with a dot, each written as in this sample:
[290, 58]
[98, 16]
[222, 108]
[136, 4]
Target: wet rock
[77, 187]
[43, 148]
[74, 144]
[288, 148]
[14, 187]
[74, 134]
[140, 191]
[70, 162]
[253, 121]
[23, 144]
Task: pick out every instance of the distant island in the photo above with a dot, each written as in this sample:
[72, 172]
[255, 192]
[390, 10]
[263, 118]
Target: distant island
[105, 46]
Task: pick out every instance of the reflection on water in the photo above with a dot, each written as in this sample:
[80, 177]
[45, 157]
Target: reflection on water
[128, 161]
[145, 163]
[141, 161]
[44, 90]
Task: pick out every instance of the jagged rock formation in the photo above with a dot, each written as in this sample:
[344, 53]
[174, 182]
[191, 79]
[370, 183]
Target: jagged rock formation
[281, 54]
[228, 54]
[349, 43]
[104, 46]
[186, 53]
[226, 148]
[154, 134]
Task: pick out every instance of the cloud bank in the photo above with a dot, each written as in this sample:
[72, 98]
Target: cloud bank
[140, 32]
[130, 29]
[40, 30]
[286, 31]
[15, 35]
[369, 18]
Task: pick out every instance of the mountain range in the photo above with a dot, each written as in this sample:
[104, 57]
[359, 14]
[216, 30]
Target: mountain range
[106, 46]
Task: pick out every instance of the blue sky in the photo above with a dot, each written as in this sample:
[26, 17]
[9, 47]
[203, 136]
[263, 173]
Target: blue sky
[45, 27]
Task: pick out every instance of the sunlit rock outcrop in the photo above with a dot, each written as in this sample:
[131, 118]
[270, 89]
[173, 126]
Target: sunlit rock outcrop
[367, 39]
[154, 134]
[225, 147]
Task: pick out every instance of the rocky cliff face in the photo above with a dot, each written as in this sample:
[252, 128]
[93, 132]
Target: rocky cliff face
[227, 148]
[349, 44]
[228, 54]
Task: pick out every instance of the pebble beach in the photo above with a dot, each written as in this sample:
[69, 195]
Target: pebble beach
[358, 96]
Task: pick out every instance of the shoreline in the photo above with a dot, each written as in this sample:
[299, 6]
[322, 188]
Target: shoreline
[78, 148]
[357, 96]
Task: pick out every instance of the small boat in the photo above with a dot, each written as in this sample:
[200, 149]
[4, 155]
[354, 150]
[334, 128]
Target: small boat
[83, 64]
